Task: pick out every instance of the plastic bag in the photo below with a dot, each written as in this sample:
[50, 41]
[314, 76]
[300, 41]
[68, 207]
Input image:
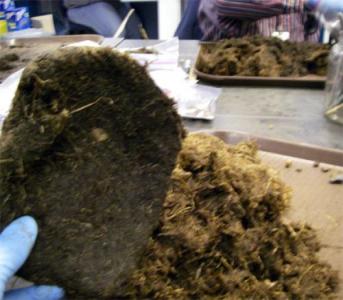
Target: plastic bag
[192, 100]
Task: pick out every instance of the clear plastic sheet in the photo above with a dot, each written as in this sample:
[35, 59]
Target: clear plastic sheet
[192, 99]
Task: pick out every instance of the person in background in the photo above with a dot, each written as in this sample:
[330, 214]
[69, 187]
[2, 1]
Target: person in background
[103, 17]
[220, 19]
[188, 28]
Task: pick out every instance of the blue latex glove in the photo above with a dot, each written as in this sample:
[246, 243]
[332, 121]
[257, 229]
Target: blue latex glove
[326, 6]
[16, 242]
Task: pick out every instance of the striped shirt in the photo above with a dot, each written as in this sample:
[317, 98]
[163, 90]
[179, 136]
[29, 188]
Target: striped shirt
[220, 19]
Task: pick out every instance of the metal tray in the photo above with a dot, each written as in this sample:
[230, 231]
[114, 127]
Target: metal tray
[29, 48]
[310, 81]
[315, 201]
[57, 39]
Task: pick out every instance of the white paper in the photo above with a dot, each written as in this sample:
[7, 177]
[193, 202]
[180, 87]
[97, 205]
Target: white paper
[86, 43]
[7, 91]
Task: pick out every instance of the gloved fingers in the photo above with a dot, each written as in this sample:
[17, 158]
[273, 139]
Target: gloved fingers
[43, 292]
[340, 17]
[16, 242]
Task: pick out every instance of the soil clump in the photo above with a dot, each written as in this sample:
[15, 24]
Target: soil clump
[87, 149]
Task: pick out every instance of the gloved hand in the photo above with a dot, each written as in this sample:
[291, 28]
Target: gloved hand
[16, 242]
[325, 6]
[336, 29]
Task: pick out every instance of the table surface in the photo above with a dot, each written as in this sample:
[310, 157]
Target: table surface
[291, 114]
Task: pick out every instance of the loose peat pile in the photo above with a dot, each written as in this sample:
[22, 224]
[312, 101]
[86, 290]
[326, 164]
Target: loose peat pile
[265, 57]
[221, 235]
[87, 149]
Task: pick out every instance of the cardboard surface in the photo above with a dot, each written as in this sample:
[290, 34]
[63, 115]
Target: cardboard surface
[316, 202]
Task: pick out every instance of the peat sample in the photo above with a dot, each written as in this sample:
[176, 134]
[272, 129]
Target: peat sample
[87, 149]
[264, 57]
[222, 234]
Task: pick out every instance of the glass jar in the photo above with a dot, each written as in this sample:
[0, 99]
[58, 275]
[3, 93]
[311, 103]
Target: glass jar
[334, 83]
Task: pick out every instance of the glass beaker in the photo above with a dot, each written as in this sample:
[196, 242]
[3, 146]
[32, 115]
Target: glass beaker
[334, 83]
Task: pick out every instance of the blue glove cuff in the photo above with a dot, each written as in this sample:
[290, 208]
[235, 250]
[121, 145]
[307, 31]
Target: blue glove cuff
[42, 292]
